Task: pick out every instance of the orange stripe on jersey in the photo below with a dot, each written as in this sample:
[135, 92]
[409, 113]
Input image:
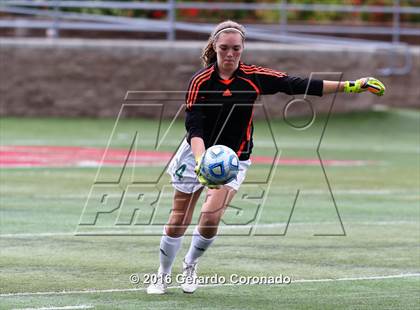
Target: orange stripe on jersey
[194, 80]
[241, 148]
[253, 67]
[248, 130]
[197, 87]
[248, 134]
[193, 84]
[252, 84]
[263, 71]
[260, 70]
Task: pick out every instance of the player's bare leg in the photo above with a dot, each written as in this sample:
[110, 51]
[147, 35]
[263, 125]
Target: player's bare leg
[173, 232]
[215, 205]
[182, 212]
[217, 200]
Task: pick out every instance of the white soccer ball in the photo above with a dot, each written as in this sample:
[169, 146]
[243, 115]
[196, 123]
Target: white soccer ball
[220, 165]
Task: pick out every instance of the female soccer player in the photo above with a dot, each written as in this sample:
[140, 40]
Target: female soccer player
[213, 118]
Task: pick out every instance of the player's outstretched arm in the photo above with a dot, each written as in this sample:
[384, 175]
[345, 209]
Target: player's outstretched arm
[361, 85]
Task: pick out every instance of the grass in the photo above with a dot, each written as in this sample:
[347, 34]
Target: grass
[378, 204]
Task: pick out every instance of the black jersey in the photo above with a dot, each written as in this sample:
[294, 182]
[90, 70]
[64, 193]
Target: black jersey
[221, 111]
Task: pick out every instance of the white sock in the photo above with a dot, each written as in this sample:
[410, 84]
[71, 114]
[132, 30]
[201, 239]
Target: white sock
[169, 247]
[198, 246]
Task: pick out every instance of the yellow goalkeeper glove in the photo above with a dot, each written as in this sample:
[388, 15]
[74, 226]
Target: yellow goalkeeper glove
[365, 84]
[200, 177]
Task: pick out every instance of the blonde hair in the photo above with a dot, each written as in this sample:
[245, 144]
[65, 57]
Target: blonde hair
[209, 54]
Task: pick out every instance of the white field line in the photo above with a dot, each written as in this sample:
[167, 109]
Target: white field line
[273, 192]
[125, 232]
[93, 291]
[57, 308]
[30, 235]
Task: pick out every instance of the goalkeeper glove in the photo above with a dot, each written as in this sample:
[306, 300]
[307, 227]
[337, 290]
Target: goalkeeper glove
[365, 84]
[200, 177]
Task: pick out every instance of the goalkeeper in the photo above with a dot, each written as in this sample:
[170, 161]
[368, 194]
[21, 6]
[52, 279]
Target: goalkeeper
[219, 110]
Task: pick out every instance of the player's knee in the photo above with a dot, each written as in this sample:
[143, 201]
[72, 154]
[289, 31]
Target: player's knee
[179, 218]
[209, 221]
[177, 225]
[175, 231]
[208, 232]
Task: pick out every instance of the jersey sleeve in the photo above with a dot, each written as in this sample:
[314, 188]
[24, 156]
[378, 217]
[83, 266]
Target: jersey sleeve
[194, 114]
[271, 82]
[194, 123]
[194, 103]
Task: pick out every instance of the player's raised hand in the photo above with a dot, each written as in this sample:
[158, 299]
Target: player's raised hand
[200, 177]
[365, 84]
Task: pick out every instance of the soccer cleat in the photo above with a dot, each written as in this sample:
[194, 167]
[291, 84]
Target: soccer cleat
[159, 286]
[190, 280]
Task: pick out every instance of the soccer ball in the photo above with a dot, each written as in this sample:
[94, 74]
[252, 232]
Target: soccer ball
[219, 165]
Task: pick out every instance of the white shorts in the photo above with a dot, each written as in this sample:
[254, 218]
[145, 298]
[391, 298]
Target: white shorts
[184, 179]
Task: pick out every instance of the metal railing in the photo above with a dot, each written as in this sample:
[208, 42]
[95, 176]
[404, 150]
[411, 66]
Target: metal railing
[48, 14]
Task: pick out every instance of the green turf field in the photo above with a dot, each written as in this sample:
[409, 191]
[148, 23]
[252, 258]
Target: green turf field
[375, 265]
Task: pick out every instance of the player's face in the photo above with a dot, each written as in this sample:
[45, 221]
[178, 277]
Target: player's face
[229, 47]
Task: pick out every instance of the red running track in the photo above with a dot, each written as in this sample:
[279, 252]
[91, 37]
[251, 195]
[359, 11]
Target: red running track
[73, 156]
